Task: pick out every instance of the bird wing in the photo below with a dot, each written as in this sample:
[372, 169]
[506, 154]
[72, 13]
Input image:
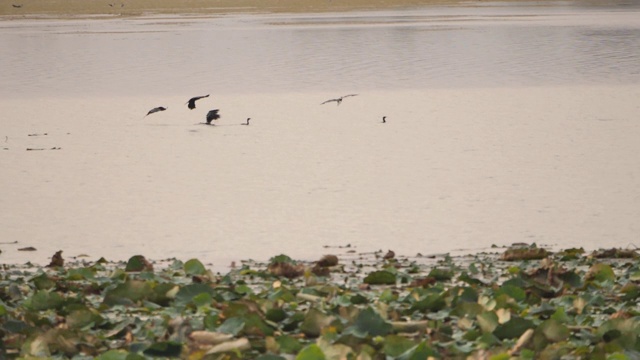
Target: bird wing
[328, 101]
[156, 109]
[192, 101]
[349, 95]
[213, 115]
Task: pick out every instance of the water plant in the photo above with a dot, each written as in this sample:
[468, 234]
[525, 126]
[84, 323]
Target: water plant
[567, 304]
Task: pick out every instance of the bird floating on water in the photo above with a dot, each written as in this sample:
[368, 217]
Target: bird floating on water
[192, 101]
[246, 123]
[212, 115]
[156, 109]
[338, 100]
[384, 119]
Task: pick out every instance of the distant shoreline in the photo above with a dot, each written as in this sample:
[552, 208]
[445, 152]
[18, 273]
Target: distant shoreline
[34, 9]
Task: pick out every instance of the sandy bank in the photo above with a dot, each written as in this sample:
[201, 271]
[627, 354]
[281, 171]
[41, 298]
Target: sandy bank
[73, 8]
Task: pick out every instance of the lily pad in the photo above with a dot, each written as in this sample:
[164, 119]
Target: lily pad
[381, 277]
[369, 323]
[194, 267]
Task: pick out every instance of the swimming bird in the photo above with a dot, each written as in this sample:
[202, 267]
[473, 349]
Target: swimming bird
[192, 101]
[247, 123]
[156, 109]
[212, 115]
[384, 119]
[338, 100]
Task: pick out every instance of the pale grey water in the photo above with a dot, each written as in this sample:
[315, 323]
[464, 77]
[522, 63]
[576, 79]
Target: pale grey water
[491, 45]
[510, 123]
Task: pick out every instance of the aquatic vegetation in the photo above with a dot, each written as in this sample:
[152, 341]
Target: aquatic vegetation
[361, 306]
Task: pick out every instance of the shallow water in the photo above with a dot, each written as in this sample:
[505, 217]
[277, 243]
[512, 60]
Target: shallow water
[408, 49]
[506, 124]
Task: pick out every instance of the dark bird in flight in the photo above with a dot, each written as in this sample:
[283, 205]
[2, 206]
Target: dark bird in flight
[16, 5]
[247, 123]
[192, 101]
[338, 100]
[212, 115]
[384, 119]
[154, 110]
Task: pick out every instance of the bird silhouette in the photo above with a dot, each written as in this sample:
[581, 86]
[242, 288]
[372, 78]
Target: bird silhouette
[338, 100]
[384, 119]
[212, 115]
[156, 109]
[247, 123]
[192, 101]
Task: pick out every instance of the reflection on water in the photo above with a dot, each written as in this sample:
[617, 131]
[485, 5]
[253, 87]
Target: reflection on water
[421, 48]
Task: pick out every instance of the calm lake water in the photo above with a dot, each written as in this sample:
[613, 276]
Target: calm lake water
[507, 123]
[492, 45]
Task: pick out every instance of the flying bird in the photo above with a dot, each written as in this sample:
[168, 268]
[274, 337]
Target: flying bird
[384, 119]
[192, 101]
[154, 110]
[212, 115]
[247, 123]
[338, 100]
[16, 5]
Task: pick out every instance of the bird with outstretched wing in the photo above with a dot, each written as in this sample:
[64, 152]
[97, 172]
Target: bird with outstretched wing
[192, 101]
[156, 109]
[212, 115]
[338, 100]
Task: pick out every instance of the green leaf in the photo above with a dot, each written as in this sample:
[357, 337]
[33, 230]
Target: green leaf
[288, 344]
[281, 259]
[164, 349]
[513, 328]
[441, 274]
[488, 321]
[232, 326]
[194, 267]
[82, 317]
[44, 300]
[516, 293]
[311, 352]
[276, 315]
[127, 293]
[314, 321]
[188, 292]
[419, 352]
[81, 274]
[395, 345]
[431, 302]
[601, 272]
[381, 277]
[43, 282]
[554, 331]
[270, 357]
[113, 355]
[137, 263]
[202, 299]
[369, 323]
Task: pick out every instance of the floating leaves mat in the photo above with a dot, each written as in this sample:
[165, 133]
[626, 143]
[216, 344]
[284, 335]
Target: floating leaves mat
[564, 305]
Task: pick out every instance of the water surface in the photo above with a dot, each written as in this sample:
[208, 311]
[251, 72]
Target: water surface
[506, 124]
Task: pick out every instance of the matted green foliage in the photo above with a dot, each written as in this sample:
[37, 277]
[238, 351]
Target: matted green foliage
[566, 305]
